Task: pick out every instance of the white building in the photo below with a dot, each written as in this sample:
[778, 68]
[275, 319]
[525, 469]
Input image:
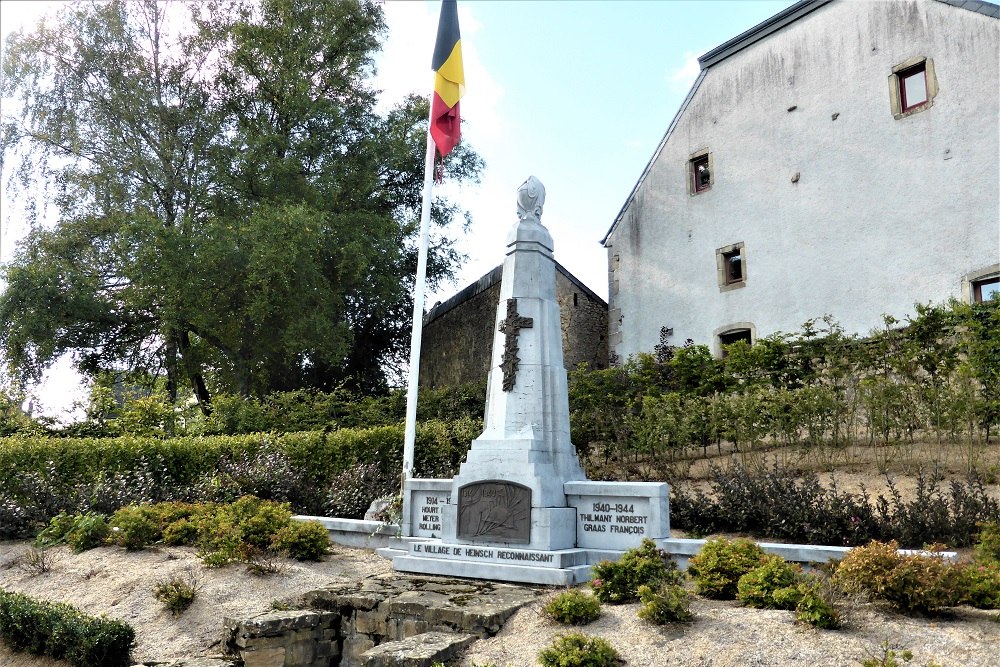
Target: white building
[840, 158]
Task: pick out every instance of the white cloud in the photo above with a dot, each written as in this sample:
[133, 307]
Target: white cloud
[404, 67]
[681, 78]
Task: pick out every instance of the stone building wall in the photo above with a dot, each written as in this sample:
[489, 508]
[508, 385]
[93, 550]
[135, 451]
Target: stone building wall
[458, 334]
[837, 202]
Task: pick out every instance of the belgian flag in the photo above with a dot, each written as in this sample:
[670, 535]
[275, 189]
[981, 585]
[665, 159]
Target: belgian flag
[449, 80]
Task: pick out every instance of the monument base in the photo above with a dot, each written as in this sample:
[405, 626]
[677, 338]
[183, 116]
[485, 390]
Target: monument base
[563, 567]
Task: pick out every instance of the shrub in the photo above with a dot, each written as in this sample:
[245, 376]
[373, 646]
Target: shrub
[719, 565]
[260, 562]
[573, 607]
[55, 533]
[63, 632]
[665, 603]
[37, 561]
[771, 585]
[988, 543]
[181, 531]
[303, 540]
[579, 650]
[80, 531]
[978, 585]
[134, 527]
[176, 593]
[910, 582]
[352, 491]
[267, 473]
[796, 507]
[887, 656]
[618, 582]
[815, 604]
[233, 530]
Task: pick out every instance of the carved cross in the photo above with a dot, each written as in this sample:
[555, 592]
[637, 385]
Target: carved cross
[511, 327]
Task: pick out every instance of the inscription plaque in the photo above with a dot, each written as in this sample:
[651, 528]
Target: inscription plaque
[494, 510]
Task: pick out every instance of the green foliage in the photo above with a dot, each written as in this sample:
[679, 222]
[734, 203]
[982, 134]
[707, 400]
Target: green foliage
[579, 650]
[352, 491]
[134, 527]
[176, 593]
[36, 561]
[664, 602]
[573, 607]
[888, 656]
[40, 476]
[80, 531]
[978, 585]
[236, 530]
[258, 237]
[814, 602]
[302, 540]
[988, 543]
[937, 374]
[618, 582]
[911, 583]
[63, 632]
[771, 585]
[12, 418]
[784, 504]
[717, 568]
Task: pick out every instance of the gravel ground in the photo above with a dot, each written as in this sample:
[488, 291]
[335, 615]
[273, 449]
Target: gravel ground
[724, 634]
[112, 581]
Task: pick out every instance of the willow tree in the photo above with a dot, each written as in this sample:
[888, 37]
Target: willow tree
[230, 209]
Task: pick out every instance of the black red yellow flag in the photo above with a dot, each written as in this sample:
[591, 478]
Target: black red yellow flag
[449, 80]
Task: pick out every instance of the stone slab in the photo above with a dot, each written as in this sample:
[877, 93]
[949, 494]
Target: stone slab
[426, 498]
[526, 574]
[552, 529]
[682, 549]
[476, 553]
[619, 515]
[421, 650]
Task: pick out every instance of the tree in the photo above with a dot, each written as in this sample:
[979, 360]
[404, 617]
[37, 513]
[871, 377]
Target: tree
[232, 212]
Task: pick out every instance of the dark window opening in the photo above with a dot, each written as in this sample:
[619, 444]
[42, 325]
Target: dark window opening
[733, 266]
[734, 336]
[912, 87]
[984, 290]
[700, 173]
[575, 303]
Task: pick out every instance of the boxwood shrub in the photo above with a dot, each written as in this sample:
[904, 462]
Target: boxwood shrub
[63, 632]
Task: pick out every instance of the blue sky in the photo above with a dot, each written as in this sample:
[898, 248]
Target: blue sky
[577, 93]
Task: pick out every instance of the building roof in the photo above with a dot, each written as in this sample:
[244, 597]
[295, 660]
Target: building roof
[755, 34]
[487, 281]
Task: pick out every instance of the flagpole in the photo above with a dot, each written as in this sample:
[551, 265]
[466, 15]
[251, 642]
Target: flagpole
[410, 432]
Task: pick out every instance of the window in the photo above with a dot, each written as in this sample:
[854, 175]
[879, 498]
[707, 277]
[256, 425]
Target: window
[730, 262]
[984, 290]
[700, 172]
[912, 87]
[981, 285]
[733, 336]
[702, 176]
[733, 266]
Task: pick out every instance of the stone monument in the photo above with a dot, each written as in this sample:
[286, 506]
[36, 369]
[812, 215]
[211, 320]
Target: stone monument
[521, 508]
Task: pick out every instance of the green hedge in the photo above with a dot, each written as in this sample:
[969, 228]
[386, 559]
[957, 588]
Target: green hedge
[63, 632]
[41, 476]
[81, 460]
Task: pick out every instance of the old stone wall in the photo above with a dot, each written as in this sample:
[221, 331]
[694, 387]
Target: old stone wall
[458, 334]
[389, 622]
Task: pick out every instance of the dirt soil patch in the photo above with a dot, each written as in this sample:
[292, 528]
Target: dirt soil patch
[111, 581]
